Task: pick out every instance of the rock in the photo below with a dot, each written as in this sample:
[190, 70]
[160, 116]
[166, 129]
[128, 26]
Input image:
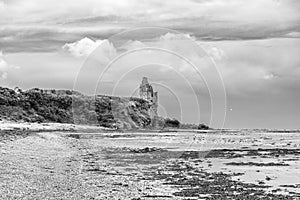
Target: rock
[261, 182]
[190, 155]
[145, 150]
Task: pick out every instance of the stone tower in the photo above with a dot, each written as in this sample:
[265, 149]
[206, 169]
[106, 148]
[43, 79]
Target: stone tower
[147, 93]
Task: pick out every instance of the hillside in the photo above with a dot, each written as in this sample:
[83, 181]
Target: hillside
[64, 106]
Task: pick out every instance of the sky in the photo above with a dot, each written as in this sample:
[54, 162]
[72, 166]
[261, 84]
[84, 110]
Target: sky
[226, 63]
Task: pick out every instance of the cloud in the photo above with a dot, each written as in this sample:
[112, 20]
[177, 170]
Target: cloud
[83, 47]
[257, 66]
[31, 26]
[4, 75]
[176, 36]
[48, 38]
[293, 34]
[1, 6]
[148, 10]
[215, 52]
[101, 51]
[5, 67]
[269, 76]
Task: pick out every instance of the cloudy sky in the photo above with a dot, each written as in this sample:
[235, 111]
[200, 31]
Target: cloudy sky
[209, 60]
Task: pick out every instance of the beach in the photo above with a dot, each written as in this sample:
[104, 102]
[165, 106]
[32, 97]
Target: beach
[73, 162]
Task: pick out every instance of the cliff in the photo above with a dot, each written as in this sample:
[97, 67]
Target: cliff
[64, 106]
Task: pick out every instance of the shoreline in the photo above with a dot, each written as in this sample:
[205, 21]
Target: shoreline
[32, 126]
[106, 163]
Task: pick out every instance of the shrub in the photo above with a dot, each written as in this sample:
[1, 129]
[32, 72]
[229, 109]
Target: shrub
[172, 123]
[203, 127]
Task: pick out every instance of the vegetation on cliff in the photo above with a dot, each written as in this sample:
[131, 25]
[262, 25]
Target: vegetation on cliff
[65, 106]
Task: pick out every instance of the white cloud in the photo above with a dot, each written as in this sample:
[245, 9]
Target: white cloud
[216, 53]
[2, 6]
[83, 47]
[213, 51]
[269, 76]
[3, 63]
[176, 36]
[103, 50]
[5, 67]
[293, 34]
[258, 65]
[3, 75]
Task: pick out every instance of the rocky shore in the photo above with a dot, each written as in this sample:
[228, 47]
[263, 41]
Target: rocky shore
[60, 165]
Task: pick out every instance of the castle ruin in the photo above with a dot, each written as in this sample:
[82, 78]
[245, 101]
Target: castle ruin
[147, 93]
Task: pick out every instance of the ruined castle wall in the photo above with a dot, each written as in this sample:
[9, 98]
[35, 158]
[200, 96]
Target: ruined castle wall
[147, 93]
